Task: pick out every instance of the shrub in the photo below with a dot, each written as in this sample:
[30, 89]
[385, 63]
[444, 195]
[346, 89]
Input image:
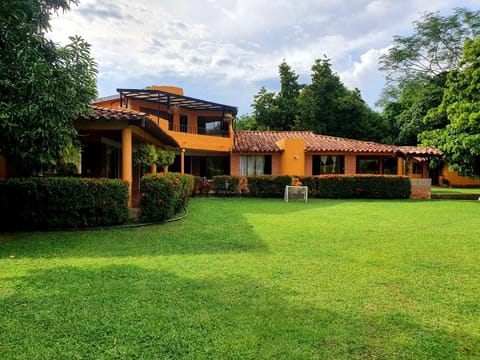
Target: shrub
[268, 185]
[52, 203]
[358, 186]
[312, 183]
[201, 186]
[164, 195]
[224, 185]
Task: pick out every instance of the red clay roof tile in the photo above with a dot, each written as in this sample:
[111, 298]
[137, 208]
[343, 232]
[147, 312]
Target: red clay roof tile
[136, 118]
[266, 141]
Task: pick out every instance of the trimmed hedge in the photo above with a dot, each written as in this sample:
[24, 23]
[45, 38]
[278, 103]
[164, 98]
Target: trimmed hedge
[358, 186]
[55, 203]
[224, 185]
[201, 186]
[164, 195]
[268, 185]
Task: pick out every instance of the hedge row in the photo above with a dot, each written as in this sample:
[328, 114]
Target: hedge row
[325, 186]
[45, 203]
[358, 186]
[164, 195]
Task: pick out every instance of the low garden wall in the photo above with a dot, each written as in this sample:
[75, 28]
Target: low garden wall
[421, 189]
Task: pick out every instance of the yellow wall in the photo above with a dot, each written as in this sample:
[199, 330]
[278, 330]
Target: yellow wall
[202, 142]
[293, 157]
[457, 180]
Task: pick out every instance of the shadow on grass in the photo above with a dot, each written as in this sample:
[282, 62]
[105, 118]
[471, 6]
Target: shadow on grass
[214, 225]
[126, 311]
[207, 230]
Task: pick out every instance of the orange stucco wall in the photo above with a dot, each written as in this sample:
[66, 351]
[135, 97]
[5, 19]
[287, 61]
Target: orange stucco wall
[293, 157]
[457, 180]
[202, 142]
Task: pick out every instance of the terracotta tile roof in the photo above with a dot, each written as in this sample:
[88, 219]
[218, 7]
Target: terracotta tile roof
[419, 151]
[116, 114]
[266, 141]
[132, 117]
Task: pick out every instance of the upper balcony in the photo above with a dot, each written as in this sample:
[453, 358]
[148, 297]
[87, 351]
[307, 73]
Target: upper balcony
[192, 122]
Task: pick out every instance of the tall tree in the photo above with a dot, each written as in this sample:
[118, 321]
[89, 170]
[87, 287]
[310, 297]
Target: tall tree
[43, 86]
[325, 89]
[435, 47]
[287, 97]
[406, 115]
[265, 110]
[326, 106]
[277, 111]
[460, 139]
[245, 122]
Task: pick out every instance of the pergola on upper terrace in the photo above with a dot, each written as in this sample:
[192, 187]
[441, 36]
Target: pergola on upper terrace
[172, 100]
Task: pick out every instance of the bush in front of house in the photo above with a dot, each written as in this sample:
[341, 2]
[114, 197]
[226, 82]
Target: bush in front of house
[268, 185]
[358, 186]
[224, 185]
[164, 195]
[55, 203]
[201, 186]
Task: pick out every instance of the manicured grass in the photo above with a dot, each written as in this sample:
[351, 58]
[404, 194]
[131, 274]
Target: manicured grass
[251, 279]
[450, 190]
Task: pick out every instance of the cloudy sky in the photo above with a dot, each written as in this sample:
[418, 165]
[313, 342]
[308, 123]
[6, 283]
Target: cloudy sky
[225, 50]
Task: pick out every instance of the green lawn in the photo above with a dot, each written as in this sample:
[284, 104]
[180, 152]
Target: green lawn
[442, 190]
[251, 279]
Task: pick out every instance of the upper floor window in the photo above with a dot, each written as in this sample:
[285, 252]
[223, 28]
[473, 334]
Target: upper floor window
[184, 123]
[212, 126]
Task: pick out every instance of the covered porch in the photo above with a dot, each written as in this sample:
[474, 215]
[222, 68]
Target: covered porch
[110, 136]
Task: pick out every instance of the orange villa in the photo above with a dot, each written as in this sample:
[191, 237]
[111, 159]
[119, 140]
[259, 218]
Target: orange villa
[202, 135]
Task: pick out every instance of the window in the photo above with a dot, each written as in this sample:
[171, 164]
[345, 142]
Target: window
[184, 123]
[212, 126]
[368, 165]
[328, 164]
[255, 165]
[113, 162]
[417, 168]
[390, 166]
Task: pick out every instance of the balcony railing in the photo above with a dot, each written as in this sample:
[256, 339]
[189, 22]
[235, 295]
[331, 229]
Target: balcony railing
[197, 130]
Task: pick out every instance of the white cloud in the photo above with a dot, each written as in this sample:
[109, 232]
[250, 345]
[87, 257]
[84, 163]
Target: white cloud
[238, 42]
[364, 74]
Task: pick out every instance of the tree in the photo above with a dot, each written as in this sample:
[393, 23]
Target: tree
[278, 111]
[165, 158]
[321, 95]
[265, 110]
[434, 48]
[246, 122]
[327, 107]
[407, 115]
[43, 86]
[460, 139]
[287, 97]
